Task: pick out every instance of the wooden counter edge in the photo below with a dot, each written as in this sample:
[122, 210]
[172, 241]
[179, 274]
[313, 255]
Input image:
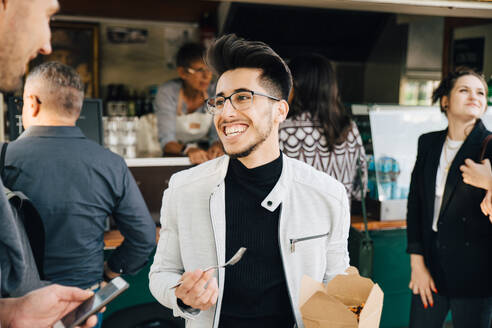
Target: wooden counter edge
[358, 223]
[113, 238]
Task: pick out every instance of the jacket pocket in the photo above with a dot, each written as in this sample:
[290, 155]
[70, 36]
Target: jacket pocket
[294, 241]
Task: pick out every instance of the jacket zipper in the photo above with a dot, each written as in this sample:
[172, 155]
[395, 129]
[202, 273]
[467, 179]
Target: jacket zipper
[283, 265]
[216, 250]
[293, 241]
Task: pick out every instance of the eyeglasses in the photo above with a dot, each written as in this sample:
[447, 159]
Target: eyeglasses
[240, 100]
[202, 70]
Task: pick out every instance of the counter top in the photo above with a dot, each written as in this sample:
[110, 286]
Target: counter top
[358, 223]
[158, 161]
[113, 238]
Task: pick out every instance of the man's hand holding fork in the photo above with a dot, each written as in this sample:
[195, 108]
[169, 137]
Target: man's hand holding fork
[194, 290]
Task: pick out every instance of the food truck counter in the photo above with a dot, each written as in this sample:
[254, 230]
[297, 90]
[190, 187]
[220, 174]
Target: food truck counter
[372, 224]
[157, 161]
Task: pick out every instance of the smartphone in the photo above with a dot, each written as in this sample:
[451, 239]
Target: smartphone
[94, 304]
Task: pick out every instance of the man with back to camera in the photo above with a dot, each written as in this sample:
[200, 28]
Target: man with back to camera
[293, 219]
[25, 32]
[75, 184]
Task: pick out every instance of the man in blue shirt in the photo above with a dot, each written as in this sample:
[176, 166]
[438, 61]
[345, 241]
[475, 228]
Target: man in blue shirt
[75, 184]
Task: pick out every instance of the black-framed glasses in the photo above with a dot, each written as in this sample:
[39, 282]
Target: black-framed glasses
[201, 70]
[240, 100]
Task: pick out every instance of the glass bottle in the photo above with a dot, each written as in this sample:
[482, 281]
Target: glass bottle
[131, 104]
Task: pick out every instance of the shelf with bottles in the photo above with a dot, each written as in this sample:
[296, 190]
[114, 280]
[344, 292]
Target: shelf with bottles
[122, 101]
[126, 115]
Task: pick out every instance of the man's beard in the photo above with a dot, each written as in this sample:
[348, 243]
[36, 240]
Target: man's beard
[243, 153]
[7, 86]
[10, 80]
[250, 149]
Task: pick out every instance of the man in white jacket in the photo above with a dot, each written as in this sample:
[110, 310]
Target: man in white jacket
[293, 219]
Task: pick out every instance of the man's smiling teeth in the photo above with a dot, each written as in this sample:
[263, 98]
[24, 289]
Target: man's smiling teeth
[234, 130]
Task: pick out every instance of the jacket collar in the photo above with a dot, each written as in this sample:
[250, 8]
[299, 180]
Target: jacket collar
[277, 195]
[469, 149]
[53, 132]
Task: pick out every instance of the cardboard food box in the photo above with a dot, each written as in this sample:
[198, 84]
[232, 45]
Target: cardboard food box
[329, 306]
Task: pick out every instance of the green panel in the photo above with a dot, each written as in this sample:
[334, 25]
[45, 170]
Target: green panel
[392, 273]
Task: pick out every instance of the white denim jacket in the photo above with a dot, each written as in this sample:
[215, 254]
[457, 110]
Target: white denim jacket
[313, 230]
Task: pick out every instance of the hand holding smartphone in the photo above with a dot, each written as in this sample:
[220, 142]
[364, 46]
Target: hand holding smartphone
[94, 304]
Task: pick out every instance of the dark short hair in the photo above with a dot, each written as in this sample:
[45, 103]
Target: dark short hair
[66, 85]
[188, 53]
[447, 84]
[230, 52]
[316, 92]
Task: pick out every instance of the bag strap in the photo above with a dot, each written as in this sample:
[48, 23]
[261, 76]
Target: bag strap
[484, 147]
[32, 223]
[362, 199]
[2, 157]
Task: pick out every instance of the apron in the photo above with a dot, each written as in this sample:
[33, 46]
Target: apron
[191, 127]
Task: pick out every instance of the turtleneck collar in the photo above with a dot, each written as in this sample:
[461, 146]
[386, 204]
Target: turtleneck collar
[265, 174]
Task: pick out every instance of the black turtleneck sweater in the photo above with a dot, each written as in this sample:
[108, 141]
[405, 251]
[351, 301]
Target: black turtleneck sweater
[255, 291]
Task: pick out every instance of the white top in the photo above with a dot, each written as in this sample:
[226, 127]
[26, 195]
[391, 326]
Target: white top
[449, 151]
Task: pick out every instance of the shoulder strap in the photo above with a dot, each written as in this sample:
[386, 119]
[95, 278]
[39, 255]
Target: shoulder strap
[484, 147]
[32, 223]
[2, 157]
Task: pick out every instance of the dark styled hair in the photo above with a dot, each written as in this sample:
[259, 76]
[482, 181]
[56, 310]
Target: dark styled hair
[188, 53]
[230, 52]
[316, 92]
[65, 85]
[447, 84]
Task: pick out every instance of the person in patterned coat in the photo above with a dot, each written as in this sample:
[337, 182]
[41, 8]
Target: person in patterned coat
[319, 130]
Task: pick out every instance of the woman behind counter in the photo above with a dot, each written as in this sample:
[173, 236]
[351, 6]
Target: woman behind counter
[449, 238]
[184, 127]
[318, 129]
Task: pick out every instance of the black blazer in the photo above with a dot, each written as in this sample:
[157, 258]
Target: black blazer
[460, 262]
